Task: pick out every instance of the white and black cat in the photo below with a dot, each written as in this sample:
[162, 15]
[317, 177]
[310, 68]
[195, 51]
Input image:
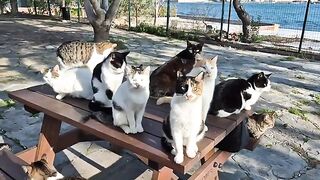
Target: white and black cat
[130, 100]
[184, 126]
[106, 78]
[75, 82]
[233, 95]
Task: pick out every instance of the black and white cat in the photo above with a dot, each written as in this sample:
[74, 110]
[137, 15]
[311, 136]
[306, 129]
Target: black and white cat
[184, 126]
[130, 100]
[233, 95]
[106, 78]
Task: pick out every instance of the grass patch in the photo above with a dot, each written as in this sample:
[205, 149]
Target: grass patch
[296, 91]
[288, 58]
[304, 102]
[299, 77]
[298, 112]
[7, 103]
[316, 98]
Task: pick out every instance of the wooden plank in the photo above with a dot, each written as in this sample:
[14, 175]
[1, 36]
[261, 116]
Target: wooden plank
[223, 123]
[11, 165]
[28, 155]
[48, 138]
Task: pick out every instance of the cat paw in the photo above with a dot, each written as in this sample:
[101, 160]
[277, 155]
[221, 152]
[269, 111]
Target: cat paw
[126, 129]
[60, 96]
[248, 108]
[173, 152]
[191, 152]
[205, 128]
[139, 129]
[133, 131]
[178, 158]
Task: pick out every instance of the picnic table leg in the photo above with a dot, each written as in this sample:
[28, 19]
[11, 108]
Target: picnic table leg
[161, 172]
[48, 137]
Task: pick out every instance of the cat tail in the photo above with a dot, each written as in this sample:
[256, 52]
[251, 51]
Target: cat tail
[166, 144]
[5, 146]
[164, 100]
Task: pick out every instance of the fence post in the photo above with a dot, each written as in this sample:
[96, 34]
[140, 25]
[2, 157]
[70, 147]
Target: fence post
[229, 19]
[35, 7]
[304, 25]
[49, 7]
[222, 14]
[129, 10]
[78, 11]
[168, 16]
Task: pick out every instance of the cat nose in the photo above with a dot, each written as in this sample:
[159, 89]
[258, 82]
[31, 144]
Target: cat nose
[188, 97]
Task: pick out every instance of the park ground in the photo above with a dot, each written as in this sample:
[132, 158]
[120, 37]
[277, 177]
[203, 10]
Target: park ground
[291, 150]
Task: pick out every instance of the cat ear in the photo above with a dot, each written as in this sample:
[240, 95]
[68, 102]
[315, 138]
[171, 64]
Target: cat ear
[199, 77]
[124, 54]
[26, 168]
[114, 45]
[214, 60]
[189, 44]
[146, 71]
[200, 45]
[268, 75]
[56, 69]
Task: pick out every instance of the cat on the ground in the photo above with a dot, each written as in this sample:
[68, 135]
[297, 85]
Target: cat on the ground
[163, 79]
[40, 170]
[234, 95]
[75, 82]
[130, 100]
[106, 79]
[78, 53]
[258, 124]
[184, 126]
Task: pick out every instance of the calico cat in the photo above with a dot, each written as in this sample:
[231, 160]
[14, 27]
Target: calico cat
[106, 79]
[130, 100]
[233, 95]
[75, 82]
[40, 170]
[163, 79]
[258, 124]
[78, 53]
[184, 126]
[210, 68]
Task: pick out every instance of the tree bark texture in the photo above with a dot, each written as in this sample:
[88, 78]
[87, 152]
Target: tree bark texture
[14, 7]
[245, 19]
[101, 19]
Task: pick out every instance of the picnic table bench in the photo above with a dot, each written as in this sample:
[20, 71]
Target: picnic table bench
[147, 145]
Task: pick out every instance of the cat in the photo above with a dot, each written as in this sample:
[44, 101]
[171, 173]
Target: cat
[5, 146]
[130, 100]
[234, 95]
[78, 53]
[184, 125]
[258, 124]
[163, 79]
[40, 170]
[210, 68]
[75, 82]
[106, 79]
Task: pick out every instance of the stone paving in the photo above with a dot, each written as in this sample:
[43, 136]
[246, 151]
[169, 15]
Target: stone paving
[291, 150]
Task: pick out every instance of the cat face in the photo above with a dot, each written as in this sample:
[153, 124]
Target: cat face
[261, 81]
[189, 87]
[50, 74]
[118, 61]
[39, 170]
[195, 49]
[138, 76]
[210, 66]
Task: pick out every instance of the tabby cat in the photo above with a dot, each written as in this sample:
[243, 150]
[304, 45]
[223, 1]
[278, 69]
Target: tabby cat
[78, 53]
[184, 126]
[40, 170]
[163, 79]
[258, 124]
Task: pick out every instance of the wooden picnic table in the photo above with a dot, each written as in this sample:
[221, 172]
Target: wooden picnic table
[147, 145]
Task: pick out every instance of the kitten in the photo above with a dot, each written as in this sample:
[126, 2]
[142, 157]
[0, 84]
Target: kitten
[233, 95]
[184, 125]
[259, 123]
[75, 82]
[77, 53]
[163, 79]
[210, 68]
[130, 100]
[106, 79]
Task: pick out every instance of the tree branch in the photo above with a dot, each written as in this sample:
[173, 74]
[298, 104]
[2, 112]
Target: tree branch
[89, 11]
[112, 11]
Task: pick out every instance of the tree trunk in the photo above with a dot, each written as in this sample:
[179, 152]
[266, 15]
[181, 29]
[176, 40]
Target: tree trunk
[101, 19]
[136, 17]
[156, 9]
[14, 7]
[245, 18]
